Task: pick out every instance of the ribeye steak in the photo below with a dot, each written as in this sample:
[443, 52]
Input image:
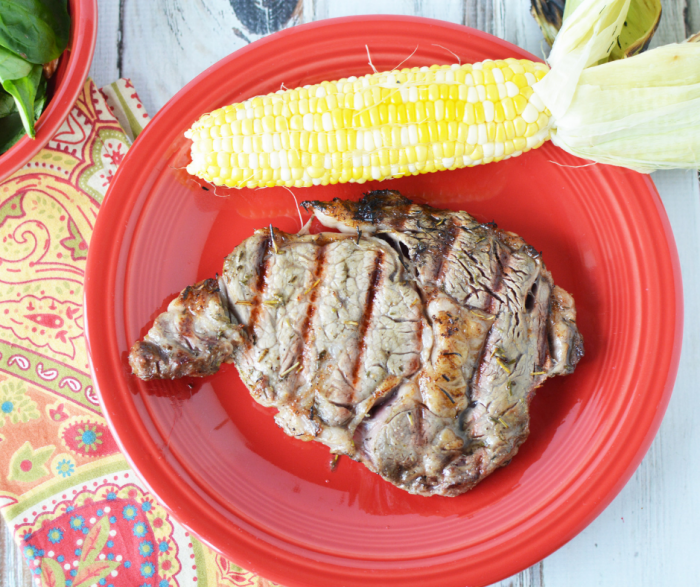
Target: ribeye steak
[411, 341]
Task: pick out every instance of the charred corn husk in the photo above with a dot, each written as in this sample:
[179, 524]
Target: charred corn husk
[374, 127]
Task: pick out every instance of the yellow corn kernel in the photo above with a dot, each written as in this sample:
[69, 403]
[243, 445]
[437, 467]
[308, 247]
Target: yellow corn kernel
[508, 108]
[429, 111]
[492, 91]
[499, 113]
[410, 154]
[439, 110]
[531, 130]
[520, 103]
[509, 129]
[452, 128]
[526, 92]
[491, 131]
[268, 124]
[469, 113]
[520, 143]
[500, 134]
[423, 133]
[448, 149]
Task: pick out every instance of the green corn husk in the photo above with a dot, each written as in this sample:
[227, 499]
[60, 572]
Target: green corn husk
[642, 112]
[637, 31]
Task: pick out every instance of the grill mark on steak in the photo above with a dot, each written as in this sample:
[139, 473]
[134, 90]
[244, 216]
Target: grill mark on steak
[311, 306]
[450, 237]
[367, 316]
[263, 269]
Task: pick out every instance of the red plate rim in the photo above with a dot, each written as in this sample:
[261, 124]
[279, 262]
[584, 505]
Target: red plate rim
[83, 35]
[552, 525]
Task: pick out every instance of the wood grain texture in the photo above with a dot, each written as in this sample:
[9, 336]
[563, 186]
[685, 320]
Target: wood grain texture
[647, 536]
[13, 571]
[692, 17]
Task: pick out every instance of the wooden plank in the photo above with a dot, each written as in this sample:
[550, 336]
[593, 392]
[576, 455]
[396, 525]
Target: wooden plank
[692, 17]
[166, 44]
[105, 62]
[13, 571]
[672, 28]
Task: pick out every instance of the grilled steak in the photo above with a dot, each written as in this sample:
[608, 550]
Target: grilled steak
[411, 341]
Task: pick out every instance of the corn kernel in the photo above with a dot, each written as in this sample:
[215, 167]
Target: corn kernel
[499, 113]
[531, 130]
[491, 131]
[489, 110]
[452, 128]
[322, 142]
[439, 110]
[500, 134]
[509, 129]
[348, 115]
[520, 103]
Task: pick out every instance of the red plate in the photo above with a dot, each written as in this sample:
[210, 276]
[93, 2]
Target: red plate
[271, 503]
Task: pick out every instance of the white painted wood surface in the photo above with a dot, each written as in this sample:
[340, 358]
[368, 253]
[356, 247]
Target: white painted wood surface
[649, 535]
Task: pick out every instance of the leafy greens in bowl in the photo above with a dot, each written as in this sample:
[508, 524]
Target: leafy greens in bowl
[33, 35]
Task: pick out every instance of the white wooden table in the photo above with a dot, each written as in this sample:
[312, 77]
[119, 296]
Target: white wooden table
[649, 535]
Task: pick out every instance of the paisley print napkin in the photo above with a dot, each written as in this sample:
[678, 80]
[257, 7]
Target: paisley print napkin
[79, 513]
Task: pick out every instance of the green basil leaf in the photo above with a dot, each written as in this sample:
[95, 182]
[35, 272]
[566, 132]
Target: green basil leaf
[41, 98]
[12, 66]
[37, 30]
[11, 130]
[24, 91]
[7, 104]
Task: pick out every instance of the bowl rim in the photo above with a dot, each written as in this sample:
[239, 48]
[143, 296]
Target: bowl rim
[81, 48]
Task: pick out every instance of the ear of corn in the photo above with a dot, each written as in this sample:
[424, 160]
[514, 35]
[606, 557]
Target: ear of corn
[642, 112]
[374, 127]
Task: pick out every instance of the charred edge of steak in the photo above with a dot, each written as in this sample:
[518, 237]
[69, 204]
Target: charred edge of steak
[377, 207]
[565, 341]
[192, 338]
